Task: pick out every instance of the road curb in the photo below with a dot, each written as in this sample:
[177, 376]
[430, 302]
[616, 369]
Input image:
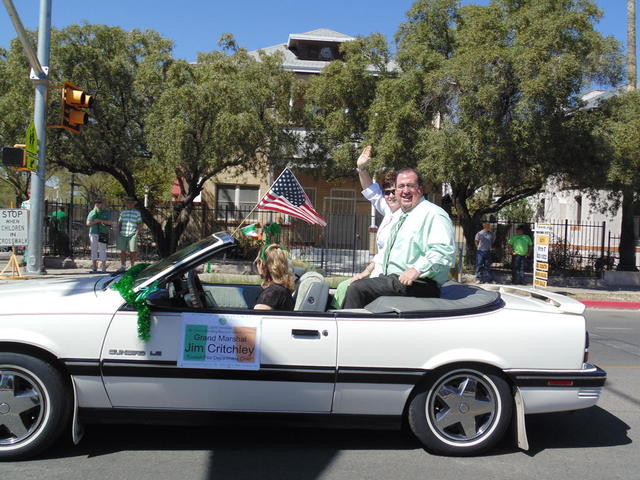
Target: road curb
[611, 304]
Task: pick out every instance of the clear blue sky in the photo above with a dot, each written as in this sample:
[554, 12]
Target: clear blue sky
[196, 25]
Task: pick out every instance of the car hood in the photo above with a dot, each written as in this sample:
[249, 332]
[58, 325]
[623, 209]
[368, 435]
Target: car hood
[55, 295]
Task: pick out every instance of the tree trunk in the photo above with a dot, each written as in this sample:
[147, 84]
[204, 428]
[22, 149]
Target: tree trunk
[167, 237]
[632, 72]
[470, 224]
[627, 247]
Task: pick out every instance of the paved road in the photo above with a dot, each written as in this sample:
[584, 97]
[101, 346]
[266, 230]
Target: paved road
[597, 443]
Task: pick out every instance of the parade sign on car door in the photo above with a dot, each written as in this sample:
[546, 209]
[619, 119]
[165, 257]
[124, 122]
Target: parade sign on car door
[542, 234]
[220, 341]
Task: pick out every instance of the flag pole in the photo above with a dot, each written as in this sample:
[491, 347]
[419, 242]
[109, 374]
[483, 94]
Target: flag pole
[245, 219]
[252, 210]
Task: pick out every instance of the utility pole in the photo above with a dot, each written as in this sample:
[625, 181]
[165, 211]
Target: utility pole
[71, 214]
[632, 65]
[40, 77]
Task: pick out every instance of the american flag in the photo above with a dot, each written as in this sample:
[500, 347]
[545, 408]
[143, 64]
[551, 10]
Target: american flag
[287, 196]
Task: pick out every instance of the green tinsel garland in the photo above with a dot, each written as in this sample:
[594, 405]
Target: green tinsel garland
[137, 300]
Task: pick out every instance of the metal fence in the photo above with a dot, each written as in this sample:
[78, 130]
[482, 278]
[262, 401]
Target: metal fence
[612, 257]
[583, 249]
[343, 247]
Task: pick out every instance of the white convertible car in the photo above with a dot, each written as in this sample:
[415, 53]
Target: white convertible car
[458, 370]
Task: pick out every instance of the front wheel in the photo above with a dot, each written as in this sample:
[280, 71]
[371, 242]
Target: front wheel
[463, 411]
[34, 405]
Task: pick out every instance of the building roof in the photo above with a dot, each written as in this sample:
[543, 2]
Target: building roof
[319, 35]
[294, 64]
[594, 98]
[290, 61]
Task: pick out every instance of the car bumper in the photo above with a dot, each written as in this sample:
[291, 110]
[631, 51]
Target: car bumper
[546, 391]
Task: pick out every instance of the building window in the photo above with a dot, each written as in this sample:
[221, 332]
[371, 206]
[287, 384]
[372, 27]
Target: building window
[578, 209]
[342, 201]
[234, 202]
[540, 214]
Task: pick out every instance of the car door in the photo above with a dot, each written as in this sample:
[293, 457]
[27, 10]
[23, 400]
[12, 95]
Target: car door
[294, 372]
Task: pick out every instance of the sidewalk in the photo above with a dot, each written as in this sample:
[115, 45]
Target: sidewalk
[592, 297]
[599, 297]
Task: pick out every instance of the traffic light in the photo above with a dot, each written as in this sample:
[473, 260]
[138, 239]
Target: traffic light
[18, 158]
[74, 101]
[14, 157]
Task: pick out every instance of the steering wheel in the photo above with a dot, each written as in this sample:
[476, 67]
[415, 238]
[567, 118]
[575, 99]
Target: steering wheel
[195, 289]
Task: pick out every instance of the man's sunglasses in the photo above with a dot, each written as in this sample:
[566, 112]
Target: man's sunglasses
[390, 192]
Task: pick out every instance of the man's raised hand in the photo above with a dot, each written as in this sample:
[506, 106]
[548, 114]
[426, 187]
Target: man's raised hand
[364, 157]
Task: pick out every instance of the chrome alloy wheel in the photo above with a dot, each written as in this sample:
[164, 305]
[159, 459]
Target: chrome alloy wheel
[22, 406]
[463, 407]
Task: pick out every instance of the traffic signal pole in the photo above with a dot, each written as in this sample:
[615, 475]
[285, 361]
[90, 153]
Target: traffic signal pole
[39, 76]
[36, 220]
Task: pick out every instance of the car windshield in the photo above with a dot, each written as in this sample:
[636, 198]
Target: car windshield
[174, 258]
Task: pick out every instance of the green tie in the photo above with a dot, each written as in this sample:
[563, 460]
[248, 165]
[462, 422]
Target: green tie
[392, 239]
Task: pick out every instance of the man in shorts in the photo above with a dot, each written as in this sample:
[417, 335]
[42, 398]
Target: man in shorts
[129, 224]
[99, 222]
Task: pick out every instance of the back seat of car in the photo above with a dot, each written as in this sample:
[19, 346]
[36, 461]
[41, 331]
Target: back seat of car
[455, 299]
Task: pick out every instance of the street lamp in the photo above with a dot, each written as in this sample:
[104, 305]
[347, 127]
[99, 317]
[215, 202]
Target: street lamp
[146, 196]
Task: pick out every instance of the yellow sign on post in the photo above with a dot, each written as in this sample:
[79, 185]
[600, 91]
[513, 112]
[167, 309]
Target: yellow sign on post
[32, 140]
[32, 163]
[542, 239]
[31, 147]
[541, 254]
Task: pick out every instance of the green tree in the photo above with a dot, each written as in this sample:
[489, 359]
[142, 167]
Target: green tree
[16, 112]
[484, 97]
[618, 132]
[155, 119]
[125, 72]
[336, 104]
[226, 112]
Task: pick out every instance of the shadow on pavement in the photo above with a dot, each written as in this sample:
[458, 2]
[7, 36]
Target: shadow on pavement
[588, 428]
[247, 452]
[239, 452]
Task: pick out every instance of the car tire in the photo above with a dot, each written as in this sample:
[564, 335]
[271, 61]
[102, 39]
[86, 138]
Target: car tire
[35, 405]
[461, 411]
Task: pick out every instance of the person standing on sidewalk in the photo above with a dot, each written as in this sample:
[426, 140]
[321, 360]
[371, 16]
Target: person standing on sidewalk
[520, 246]
[98, 221]
[129, 224]
[58, 231]
[484, 242]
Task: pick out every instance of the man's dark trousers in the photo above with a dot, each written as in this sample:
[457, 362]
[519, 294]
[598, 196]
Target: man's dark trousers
[362, 292]
[517, 269]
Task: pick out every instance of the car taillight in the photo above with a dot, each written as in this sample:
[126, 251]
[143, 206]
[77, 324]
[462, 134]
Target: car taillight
[585, 359]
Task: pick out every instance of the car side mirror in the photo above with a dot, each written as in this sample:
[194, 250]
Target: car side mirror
[159, 298]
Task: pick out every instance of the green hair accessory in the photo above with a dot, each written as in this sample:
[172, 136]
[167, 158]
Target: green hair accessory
[264, 249]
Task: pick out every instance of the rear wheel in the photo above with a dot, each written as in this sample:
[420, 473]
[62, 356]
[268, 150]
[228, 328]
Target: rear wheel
[34, 405]
[463, 411]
